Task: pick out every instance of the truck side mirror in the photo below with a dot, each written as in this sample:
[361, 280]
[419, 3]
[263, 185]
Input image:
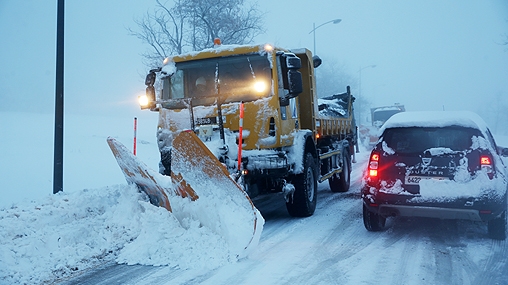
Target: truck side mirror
[292, 78]
[316, 61]
[150, 78]
[295, 83]
[293, 62]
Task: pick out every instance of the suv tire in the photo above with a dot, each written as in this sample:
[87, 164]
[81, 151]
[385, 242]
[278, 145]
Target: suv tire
[497, 227]
[373, 222]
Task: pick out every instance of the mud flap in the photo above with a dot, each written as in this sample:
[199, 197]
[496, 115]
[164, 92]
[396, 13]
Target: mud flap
[210, 195]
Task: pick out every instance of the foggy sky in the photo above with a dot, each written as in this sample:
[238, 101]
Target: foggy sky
[429, 54]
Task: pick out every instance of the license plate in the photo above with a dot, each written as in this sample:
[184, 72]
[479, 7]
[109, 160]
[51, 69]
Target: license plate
[415, 180]
[206, 121]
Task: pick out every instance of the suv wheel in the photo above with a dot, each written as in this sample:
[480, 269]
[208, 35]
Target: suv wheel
[372, 221]
[497, 227]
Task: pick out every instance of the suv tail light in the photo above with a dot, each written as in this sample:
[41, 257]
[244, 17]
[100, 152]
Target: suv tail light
[373, 168]
[486, 165]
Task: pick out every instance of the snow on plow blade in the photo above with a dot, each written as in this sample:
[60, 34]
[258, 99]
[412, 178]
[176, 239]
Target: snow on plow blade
[200, 188]
[136, 172]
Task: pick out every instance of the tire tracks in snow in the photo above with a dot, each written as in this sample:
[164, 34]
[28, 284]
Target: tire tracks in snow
[339, 243]
[495, 268]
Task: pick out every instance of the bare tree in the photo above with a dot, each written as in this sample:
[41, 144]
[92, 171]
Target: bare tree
[332, 78]
[227, 20]
[162, 30]
[194, 24]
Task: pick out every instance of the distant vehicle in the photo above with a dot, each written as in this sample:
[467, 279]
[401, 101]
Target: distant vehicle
[379, 115]
[439, 165]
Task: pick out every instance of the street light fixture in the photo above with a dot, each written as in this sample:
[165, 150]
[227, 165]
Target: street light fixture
[336, 21]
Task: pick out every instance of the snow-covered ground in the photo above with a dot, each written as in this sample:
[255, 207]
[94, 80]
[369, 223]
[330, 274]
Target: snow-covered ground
[80, 235]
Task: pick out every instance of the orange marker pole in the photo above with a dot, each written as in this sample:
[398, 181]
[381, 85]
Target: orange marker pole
[240, 138]
[135, 129]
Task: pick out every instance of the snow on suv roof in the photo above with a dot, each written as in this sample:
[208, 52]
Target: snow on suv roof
[435, 119]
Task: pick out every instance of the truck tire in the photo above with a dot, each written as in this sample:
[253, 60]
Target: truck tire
[341, 182]
[373, 222]
[497, 227]
[303, 201]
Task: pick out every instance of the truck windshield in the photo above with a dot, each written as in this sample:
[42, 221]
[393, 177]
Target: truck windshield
[234, 78]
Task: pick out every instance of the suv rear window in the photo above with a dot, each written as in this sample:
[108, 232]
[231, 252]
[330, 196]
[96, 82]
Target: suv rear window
[419, 139]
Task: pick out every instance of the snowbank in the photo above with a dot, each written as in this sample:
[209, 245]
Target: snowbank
[59, 234]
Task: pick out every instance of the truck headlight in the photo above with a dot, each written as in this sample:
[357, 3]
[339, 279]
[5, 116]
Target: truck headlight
[143, 101]
[147, 101]
[260, 86]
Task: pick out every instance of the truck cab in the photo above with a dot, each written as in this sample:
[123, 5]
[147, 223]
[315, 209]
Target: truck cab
[256, 109]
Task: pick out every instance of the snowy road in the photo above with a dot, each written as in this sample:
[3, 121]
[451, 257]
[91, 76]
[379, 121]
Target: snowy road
[333, 247]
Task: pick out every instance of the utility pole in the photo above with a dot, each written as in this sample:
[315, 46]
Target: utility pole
[59, 101]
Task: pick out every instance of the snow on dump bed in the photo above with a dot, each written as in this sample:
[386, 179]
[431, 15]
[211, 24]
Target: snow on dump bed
[435, 119]
[334, 106]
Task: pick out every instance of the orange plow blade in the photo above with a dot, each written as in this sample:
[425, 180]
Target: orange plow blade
[229, 209]
[199, 188]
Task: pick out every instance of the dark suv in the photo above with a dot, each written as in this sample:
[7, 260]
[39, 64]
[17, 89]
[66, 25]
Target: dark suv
[436, 164]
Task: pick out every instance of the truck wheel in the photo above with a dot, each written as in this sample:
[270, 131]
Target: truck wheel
[341, 182]
[303, 201]
[497, 227]
[373, 222]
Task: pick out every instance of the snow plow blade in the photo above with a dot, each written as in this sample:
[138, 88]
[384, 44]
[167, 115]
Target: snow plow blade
[153, 184]
[200, 188]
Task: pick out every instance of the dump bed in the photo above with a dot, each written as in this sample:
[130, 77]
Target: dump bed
[335, 115]
[328, 116]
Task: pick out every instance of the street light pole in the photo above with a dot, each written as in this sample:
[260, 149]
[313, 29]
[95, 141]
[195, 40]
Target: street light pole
[314, 28]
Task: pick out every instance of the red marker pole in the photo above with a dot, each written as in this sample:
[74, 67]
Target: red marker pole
[135, 129]
[240, 138]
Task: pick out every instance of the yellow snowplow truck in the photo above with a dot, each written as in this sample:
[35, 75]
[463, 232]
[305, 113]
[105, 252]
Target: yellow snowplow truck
[256, 109]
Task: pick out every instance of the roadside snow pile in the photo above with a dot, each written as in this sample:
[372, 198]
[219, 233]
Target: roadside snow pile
[51, 238]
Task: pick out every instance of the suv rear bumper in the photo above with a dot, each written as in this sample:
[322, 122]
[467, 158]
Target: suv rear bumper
[474, 209]
[429, 212]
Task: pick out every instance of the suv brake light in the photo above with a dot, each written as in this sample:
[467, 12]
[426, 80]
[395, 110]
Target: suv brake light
[486, 165]
[373, 167]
